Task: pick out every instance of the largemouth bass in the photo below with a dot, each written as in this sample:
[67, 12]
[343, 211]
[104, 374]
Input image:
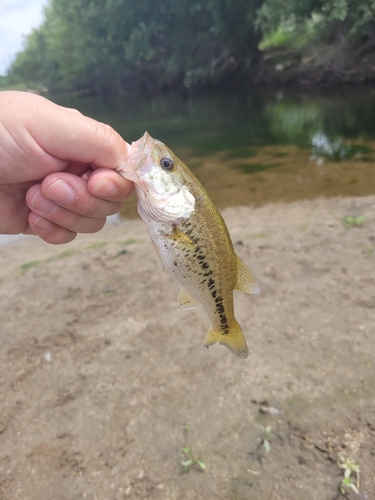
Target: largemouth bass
[191, 239]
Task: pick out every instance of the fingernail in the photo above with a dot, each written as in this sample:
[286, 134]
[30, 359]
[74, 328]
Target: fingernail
[43, 224]
[61, 192]
[105, 188]
[41, 204]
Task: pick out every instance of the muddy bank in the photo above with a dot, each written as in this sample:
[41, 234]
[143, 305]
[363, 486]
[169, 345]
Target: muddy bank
[103, 381]
[315, 67]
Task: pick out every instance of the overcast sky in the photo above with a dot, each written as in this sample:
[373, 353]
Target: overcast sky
[17, 19]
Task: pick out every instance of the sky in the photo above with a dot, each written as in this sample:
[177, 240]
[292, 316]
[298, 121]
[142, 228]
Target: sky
[17, 19]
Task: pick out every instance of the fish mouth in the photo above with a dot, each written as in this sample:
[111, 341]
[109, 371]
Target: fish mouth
[140, 150]
[143, 146]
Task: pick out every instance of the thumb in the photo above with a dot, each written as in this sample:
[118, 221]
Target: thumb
[68, 135]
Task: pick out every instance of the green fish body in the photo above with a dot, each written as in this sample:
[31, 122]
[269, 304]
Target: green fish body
[191, 239]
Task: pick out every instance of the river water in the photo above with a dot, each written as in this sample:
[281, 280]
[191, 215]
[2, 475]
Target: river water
[258, 145]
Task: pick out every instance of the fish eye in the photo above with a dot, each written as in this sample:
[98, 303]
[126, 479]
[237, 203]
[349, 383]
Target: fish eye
[167, 163]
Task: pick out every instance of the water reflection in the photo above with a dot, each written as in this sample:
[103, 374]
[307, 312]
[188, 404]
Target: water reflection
[336, 149]
[259, 145]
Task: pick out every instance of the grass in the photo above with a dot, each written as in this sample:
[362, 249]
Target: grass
[354, 221]
[34, 263]
[29, 265]
[97, 244]
[129, 241]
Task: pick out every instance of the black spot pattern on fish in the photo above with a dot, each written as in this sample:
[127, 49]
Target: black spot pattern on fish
[199, 255]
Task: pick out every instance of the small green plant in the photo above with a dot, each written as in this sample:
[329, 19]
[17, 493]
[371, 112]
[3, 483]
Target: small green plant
[266, 438]
[191, 459]
[349, 466]
[355, 221]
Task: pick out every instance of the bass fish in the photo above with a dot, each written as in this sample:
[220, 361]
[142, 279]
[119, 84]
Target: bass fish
[191, 239]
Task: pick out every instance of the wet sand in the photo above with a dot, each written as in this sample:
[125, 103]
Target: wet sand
[103, 380]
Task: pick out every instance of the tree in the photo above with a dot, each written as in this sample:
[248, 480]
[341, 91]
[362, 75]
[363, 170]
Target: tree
[109, 45]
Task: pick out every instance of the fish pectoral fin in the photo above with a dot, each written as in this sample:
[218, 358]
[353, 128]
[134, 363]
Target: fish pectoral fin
[246, 280]
[180, 236]
[185, 300]
[233, 340]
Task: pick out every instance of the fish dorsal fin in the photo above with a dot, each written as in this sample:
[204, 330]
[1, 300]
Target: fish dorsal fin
[185, 300]
[246, 281]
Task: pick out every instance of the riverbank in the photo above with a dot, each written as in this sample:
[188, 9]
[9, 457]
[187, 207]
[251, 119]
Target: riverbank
[103, 380]
[315, 67]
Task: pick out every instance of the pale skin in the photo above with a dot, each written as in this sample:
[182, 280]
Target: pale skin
[57, 175]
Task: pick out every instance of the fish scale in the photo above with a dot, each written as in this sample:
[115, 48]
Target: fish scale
[191, 239]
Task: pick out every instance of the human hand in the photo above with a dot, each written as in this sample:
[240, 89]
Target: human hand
[56, 169]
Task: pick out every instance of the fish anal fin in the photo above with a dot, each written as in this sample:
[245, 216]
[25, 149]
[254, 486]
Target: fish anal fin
[233, 340]
[185, 300]
[246, 280]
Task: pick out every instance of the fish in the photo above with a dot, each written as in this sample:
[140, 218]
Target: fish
[191, 239]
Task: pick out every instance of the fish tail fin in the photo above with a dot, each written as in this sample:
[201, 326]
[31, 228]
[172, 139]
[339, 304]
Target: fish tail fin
[233, 340]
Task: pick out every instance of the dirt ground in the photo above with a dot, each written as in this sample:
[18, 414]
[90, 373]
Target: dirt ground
[103, 379]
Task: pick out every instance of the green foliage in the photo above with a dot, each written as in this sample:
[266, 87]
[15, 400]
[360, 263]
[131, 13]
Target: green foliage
[287, 35]
[101, 46]
[352, 19]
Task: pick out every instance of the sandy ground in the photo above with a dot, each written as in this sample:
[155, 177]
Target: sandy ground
[103, 380]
